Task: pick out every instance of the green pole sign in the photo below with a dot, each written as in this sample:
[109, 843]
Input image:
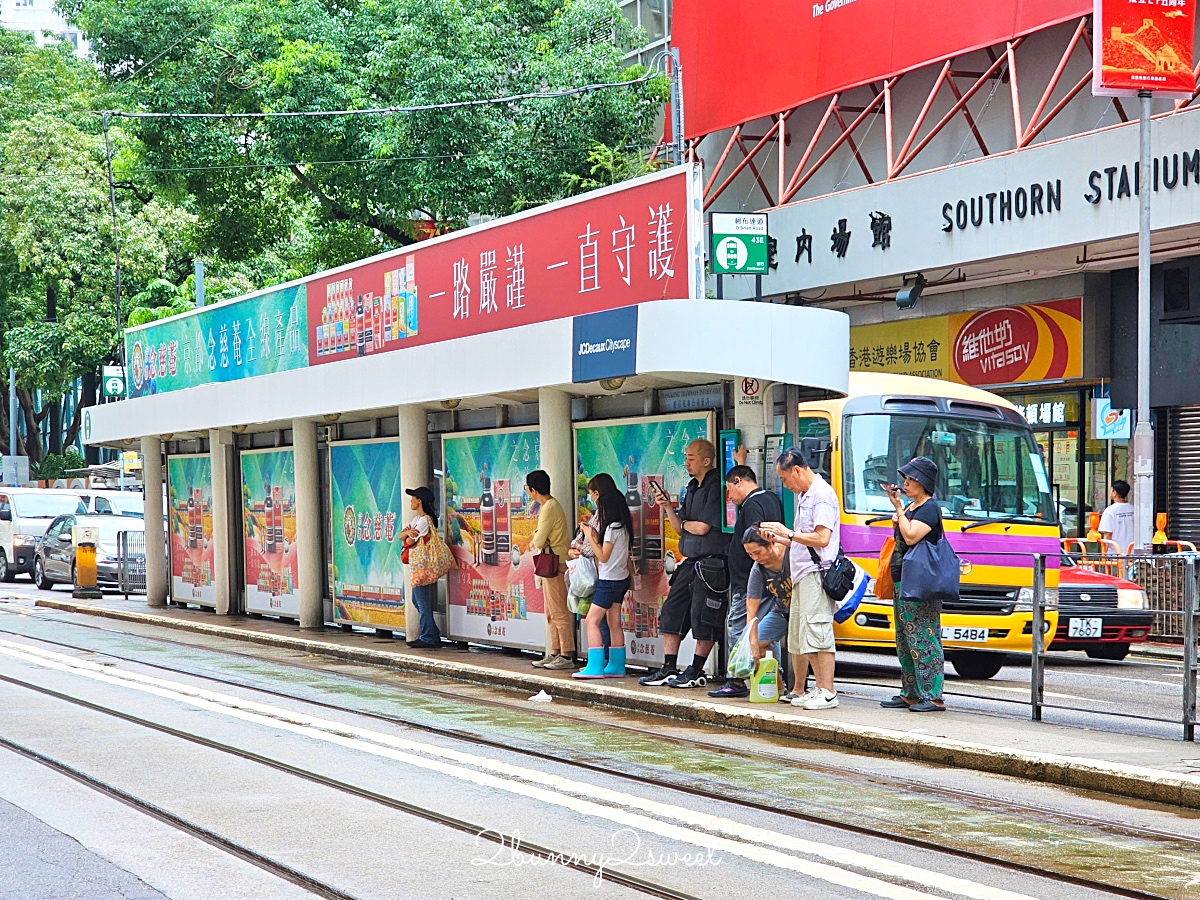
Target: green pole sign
[113, 380]
[739, 244]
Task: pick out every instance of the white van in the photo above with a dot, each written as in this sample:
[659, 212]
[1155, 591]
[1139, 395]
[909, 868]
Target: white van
[102, 502]
[25, 514]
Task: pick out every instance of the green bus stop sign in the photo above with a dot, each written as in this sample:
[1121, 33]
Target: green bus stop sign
[739, 244]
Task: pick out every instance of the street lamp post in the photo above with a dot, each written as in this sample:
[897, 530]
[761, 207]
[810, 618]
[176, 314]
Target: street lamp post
[1143, 436]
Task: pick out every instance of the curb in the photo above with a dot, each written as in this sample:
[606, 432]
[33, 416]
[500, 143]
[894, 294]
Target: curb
[1086, 774]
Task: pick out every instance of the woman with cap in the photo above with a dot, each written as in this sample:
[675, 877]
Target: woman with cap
[918, 620]
[419, 528]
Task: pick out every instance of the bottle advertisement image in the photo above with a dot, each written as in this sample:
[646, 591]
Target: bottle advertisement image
[269, 532]
[362, 315]
[190, 529]
[369, 509]
[489, 526]
[639, 454]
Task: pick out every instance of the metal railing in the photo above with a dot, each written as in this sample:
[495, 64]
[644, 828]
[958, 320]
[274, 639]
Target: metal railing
[131, 562]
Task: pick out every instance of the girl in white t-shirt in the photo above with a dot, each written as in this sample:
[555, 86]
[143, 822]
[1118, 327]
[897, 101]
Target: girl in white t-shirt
[609, 542]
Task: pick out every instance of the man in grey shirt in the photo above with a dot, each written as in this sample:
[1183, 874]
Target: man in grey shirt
[699, 594]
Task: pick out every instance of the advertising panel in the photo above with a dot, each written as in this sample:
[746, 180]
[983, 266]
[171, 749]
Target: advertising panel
[367, 507]
[789, 53]
[269, 531]
[610, 248]
[259, 335]
[190, 527]
[1142, 46]
[636, 452]
[1011, 345]
[490, 521]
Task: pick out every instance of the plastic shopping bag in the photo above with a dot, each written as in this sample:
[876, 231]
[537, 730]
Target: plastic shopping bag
[848, 605]
[741, 657]
[581, 582]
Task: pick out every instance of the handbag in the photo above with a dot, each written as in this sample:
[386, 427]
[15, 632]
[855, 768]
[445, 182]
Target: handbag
[430, 559]
[930, 571]
[545, 564]
[885, 588]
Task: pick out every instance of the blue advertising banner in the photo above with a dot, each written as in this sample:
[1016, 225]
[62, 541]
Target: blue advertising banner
[223, 342]
[367, 505]
[605, 345]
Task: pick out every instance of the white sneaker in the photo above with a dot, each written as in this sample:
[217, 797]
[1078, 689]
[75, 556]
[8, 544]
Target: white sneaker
[820, 699]
[801, 699]
[544, 661]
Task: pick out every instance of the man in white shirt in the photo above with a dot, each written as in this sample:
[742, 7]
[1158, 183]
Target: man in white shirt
[1116, 524]
[810, 621]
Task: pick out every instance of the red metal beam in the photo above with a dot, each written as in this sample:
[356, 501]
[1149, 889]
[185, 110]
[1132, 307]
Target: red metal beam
[721, 162]
[912, 135]
[1033, 128]
[754, 169]
[854, 147]
[966, 111]
[734, 140]
[1015, 91]
[812, 145]
[1058, 107]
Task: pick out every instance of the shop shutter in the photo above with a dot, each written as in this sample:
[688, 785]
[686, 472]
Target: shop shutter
[1181, 473]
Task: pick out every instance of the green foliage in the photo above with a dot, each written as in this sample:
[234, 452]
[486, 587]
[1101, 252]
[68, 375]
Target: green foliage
[361, 180]
[53, 466]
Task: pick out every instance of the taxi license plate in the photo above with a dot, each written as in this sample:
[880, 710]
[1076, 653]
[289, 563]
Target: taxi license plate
[1085, 628]
[964, 635]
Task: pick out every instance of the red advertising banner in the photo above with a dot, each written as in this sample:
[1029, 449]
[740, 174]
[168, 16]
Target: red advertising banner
[745, 60]
[1144, 45]
[613, 247]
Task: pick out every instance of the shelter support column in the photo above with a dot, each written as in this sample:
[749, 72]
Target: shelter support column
[309, 552]
[752, 416]
[220, 442]
[414, 472]
[156, 538]
[558, 446]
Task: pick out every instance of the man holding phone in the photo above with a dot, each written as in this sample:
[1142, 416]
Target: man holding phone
[755, 506]
[698, 597]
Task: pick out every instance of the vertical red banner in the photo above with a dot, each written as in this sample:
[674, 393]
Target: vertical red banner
[1144, 45]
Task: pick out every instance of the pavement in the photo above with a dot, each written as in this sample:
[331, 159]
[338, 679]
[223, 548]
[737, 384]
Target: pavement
[1140, 767]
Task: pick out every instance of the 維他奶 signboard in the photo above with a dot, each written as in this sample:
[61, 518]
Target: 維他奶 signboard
[190, 529]
[259, 335]
[269, 532]
[1008, 345]
[1141, 46]
[367, 506]
[489, 526]
[635, 452]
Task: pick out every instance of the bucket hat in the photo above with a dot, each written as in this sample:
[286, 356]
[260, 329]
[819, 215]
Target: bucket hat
[923, 470]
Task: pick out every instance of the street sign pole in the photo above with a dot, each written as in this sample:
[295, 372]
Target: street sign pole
[13, 409]
[1143, 436]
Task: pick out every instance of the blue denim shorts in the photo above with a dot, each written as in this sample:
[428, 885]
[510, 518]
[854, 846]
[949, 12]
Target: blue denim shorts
[609, 593]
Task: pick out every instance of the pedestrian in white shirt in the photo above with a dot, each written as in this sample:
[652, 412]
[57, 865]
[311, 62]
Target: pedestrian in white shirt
[1116, 524]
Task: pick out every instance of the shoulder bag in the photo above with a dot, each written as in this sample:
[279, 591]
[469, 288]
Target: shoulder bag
[843, 582]
[885, 588]
[930, 571]
[430, 558]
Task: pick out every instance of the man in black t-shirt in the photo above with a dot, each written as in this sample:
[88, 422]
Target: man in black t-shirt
[755, 505]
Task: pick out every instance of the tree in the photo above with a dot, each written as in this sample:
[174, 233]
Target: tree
[369, 174]
[56, 232]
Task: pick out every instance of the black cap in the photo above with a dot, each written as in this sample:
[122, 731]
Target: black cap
[424, 494]
[922, 469]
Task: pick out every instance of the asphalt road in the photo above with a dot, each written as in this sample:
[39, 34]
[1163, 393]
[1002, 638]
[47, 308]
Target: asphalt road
[556, 778]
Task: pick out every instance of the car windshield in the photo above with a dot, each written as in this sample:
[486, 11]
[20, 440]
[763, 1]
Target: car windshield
[986, 470]
[127, 506]
[110, 526]
[46, 506]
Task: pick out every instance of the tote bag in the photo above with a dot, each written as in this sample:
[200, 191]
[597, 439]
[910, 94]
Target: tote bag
[930, 571]
[430, 559]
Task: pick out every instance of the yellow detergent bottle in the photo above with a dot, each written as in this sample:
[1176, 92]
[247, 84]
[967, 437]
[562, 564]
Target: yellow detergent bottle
[764, 683]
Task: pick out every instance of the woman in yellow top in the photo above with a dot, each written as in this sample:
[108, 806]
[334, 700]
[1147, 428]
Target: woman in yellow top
[554, 533]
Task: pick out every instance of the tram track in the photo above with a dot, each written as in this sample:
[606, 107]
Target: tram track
[671, 782]
[559, 857]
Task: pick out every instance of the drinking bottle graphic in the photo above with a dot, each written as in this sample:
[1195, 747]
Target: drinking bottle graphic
[487, 522]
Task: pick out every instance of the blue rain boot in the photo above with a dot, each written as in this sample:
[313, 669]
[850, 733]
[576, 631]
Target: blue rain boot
[595, 665]
[616, 663]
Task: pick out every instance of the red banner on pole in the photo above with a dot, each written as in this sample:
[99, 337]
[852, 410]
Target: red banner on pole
[1144, 45]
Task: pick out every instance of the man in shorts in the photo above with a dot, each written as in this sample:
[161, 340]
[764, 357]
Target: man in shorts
[698, 598]
[810, 622]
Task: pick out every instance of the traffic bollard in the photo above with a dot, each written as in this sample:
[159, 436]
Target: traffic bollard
[85, 573]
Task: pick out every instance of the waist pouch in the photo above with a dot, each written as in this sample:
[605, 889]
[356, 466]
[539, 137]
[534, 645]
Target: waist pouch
[714, 575]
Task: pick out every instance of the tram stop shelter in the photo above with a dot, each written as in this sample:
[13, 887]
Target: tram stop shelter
[573, 337]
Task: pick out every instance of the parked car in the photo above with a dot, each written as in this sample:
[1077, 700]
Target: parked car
[113, 503]
[24, 513]
[54, 558]
[1099, 613]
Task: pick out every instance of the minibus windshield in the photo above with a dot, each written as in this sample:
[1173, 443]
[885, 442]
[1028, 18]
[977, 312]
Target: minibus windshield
[986, 470]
